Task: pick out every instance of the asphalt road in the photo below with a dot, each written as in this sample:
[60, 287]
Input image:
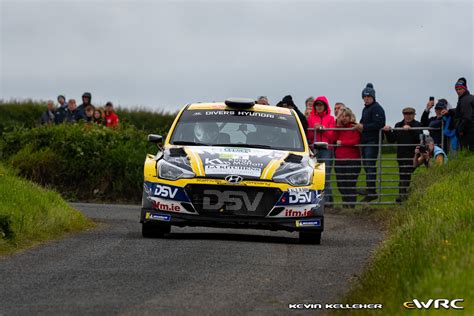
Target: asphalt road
[199, 271]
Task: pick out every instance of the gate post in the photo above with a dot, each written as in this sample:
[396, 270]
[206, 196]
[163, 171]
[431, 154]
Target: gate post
[379, 163]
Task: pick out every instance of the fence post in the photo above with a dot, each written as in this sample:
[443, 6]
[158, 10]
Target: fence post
[379, 162]
[442, 134]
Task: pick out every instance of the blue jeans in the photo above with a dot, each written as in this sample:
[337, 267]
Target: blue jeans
[327, 156]
[371, 153]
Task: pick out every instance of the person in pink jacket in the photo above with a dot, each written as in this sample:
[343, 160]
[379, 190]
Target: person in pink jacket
[320, 119]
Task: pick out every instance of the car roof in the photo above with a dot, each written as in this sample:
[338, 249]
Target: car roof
[222, 106]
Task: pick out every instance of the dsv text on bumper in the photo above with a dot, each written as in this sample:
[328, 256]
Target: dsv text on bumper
[335, 306]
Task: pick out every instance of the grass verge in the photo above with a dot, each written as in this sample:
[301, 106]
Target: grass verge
[429, 248]
[30, 214]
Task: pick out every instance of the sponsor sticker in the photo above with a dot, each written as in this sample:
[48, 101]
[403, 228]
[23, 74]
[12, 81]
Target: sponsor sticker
[239, 170]
[298, 189]
[301, 197]
[241, 113]
[158, 217]
[237, 150]
[165, 206]
[297, 213]
[165, 191]
[311, 223]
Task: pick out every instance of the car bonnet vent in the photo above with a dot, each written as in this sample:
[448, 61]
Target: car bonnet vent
[177, 152]
[293, 158]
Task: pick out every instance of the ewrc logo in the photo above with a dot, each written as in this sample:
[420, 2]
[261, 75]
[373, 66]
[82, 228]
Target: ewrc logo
[435, 303]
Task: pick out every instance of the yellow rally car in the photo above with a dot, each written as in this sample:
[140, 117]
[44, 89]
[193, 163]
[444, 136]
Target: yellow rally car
[234, 164]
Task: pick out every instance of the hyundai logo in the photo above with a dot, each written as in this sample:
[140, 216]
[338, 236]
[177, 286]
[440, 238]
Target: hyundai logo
[234, 179]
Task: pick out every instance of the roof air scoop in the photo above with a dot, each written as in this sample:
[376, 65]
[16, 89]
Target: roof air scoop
[240, 103]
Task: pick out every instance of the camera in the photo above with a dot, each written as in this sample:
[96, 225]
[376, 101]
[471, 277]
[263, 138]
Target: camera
[422, 147]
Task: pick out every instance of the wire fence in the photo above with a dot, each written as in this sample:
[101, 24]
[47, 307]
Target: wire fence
[376, 178]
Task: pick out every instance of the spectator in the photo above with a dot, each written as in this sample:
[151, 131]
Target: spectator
[263, 100]
[287, 102]
[60, 114]
[111, 119]
[405, 153]
[464, 115]
[441, 108]
[48, 117]
[347, 157]
[320, 119]
[62, 101]
[372, 120]
[99, 117]
[449, 130]
[429, 154]
[308, 106]
[73, 115]
[337, 108]
[86, 100]
[89, 113]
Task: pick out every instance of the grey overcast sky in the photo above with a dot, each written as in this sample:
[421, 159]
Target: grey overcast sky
[161, 55]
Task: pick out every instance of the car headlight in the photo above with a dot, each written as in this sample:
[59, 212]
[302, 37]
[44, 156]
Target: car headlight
[300, 177]
[169, 171]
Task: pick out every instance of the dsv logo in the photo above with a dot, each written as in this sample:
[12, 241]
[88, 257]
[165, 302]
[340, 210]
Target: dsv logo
[300, 197]
[165, 191]
[435, 303]
[233, 200]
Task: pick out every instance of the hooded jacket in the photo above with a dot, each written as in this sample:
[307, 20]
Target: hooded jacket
[325, 119]
[348, 140]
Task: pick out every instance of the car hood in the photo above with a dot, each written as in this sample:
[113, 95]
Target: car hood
[249, 163]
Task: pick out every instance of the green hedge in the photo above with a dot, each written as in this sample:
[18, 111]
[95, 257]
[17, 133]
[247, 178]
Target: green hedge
[20, 113]
[83, 161]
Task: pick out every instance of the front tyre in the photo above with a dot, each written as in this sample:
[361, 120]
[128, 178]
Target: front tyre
[308, 237]
[150, 230]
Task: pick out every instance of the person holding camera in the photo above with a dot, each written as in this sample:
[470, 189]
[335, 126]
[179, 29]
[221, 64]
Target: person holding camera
[405, 153]
[428, 153]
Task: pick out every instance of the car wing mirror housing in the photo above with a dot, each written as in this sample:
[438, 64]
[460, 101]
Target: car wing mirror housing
[320, 146]
[155, 139]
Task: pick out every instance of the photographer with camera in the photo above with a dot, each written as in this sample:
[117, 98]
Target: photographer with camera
[428, 153]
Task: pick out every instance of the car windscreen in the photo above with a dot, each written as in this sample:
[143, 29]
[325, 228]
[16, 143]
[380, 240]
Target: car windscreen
[238, 128]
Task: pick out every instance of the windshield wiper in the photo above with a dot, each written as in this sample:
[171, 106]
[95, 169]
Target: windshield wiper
[245, 145]
[183, 142]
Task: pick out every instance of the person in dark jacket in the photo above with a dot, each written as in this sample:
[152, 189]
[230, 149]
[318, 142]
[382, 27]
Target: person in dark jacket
[60, 114]
[287, 102]
[405, 153]
[372, 120]
[73, 115]
[48, 116]
[464, 115]
[86, 101]
[441, 110]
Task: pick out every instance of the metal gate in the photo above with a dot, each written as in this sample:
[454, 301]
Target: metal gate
[387, 172]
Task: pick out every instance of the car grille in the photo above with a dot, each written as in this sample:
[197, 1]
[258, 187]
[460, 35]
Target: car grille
[219, 200]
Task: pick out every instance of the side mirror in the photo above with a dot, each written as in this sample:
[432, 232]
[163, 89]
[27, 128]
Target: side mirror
[156, 139]
[320, 145]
